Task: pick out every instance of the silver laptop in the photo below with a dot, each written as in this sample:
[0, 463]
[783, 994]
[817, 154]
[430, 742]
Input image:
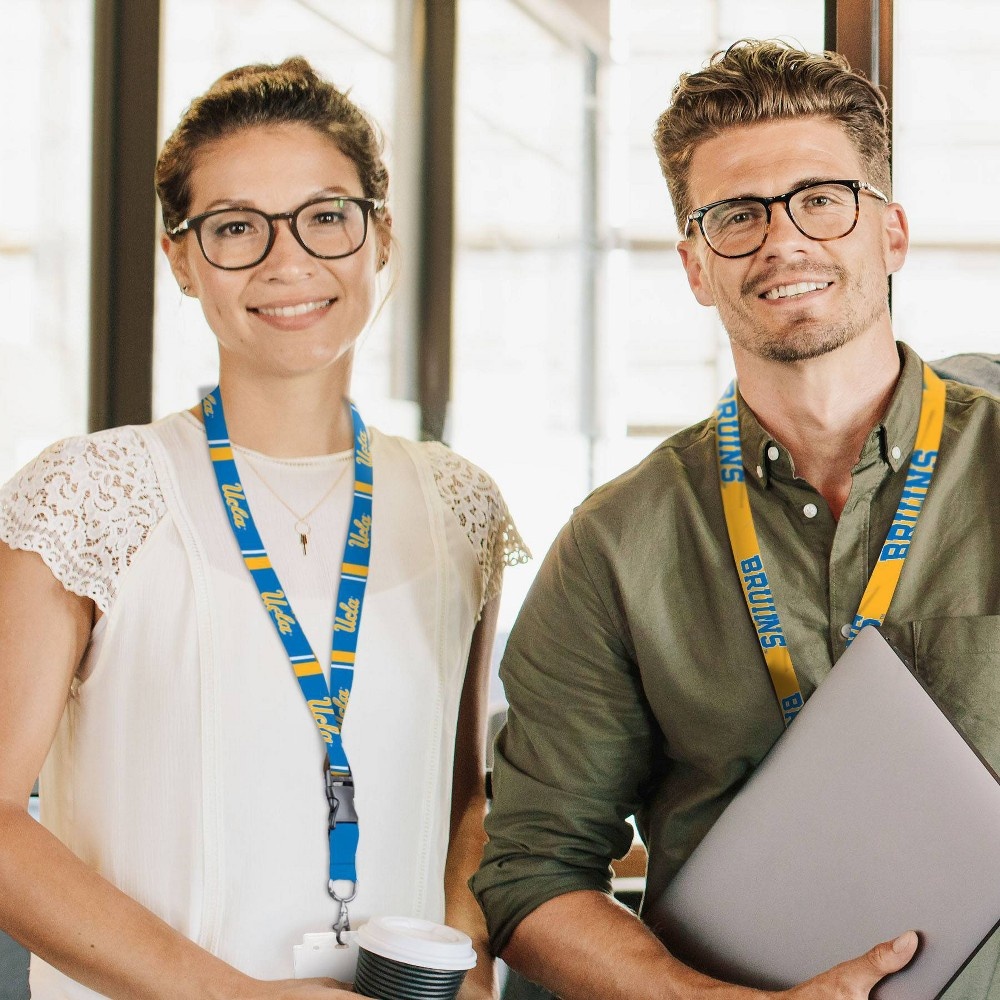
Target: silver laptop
[872, 815]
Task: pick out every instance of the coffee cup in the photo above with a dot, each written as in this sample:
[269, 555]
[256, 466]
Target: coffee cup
[405, 958]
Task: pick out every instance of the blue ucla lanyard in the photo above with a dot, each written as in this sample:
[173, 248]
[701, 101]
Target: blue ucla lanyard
[750, 563]
[327, 702]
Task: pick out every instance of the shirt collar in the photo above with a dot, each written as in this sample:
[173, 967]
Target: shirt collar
[890, 441]
[897, 433]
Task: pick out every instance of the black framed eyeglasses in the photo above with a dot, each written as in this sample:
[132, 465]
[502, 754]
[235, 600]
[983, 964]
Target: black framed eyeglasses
[236, 238]
[820, 210]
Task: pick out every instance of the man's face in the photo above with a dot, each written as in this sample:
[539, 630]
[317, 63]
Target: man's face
[841, 293]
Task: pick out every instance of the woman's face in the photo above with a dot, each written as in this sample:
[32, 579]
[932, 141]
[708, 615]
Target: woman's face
[292, 313]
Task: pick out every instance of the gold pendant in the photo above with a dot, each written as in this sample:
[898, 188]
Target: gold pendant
[303, 529]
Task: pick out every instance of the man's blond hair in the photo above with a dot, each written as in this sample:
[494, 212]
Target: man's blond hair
[753, 82]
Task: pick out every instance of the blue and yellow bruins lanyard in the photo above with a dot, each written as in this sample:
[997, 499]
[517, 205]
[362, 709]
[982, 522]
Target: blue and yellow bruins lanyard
[328, 703]
[746, 549]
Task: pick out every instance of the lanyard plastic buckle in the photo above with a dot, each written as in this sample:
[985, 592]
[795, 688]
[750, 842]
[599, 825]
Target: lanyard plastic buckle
[340, 796]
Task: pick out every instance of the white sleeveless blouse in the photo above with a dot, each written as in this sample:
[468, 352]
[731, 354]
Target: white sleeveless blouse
[187, 768]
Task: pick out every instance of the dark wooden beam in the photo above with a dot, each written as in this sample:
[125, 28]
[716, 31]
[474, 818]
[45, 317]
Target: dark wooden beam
[123, 227]
[437, 217]
[861, 30]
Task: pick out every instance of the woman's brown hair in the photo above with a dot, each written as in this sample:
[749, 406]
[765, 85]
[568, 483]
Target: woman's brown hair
[263, 95]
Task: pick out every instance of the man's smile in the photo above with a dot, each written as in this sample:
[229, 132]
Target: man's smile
[791, 291]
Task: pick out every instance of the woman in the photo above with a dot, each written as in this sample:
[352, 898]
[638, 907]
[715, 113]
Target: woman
[163, 589]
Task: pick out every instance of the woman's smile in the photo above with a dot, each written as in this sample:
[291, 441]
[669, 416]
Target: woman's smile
[296, 316]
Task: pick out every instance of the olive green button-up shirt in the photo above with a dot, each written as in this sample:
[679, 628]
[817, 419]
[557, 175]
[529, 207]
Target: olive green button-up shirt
[634, 675]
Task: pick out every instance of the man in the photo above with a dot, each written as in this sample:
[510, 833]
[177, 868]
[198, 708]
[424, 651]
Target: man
[636, 678]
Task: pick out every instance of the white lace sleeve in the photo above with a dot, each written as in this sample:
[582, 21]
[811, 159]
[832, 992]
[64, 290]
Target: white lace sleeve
[477, 503]
[85, 505]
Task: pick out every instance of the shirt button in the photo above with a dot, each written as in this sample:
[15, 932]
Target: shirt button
[845, 631]
[896, 452]
[773, 454]
[760, 472]
[810, 510]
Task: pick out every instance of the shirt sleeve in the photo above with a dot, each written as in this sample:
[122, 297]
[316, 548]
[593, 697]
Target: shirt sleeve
[475, 500]
[574, 756]
[86, 505]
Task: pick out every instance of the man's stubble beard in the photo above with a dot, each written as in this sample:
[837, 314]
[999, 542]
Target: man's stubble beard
[801, 336]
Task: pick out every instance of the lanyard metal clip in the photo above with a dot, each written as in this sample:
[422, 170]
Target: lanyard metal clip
[343, 921]
[340, 796]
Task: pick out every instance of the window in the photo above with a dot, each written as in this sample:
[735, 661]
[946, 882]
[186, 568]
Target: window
[945, 163]
[525, 217]
[44, 226]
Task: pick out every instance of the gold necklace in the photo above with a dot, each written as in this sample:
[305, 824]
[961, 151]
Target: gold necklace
[302, 526]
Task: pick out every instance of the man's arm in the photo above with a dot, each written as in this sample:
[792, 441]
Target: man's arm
[583, 945]
[575, 751]
[573, 762]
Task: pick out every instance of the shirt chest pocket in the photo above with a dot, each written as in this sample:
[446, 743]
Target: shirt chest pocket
[959, 661]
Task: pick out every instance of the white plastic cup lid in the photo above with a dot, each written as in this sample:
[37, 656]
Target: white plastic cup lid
[422, 943]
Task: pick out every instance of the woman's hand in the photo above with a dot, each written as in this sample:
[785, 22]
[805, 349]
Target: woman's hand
[474, 990]
[298, 989]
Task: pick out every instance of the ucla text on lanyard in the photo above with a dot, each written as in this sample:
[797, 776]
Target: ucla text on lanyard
[750, 563]
[327, 702]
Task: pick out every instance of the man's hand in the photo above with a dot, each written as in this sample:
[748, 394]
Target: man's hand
[556, 943]
[854, 980]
